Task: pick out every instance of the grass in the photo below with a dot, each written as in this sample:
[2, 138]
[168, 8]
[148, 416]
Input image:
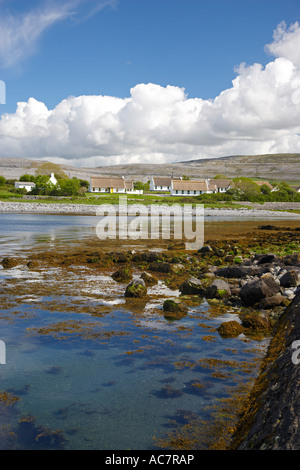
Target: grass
[145, 199]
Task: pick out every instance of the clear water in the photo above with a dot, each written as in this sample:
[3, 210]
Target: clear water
[123, 374]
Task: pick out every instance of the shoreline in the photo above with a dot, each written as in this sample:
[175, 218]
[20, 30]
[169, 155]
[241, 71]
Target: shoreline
[86, 209]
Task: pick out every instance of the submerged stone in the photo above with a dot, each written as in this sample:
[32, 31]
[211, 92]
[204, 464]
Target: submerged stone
[174, 309]
[8, 263]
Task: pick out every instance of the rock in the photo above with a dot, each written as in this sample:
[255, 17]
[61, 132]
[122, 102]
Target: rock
[292, 260]
[290, 279]
[229, 258]
[205, 249]
[149, 279]
[160, 267]
[252, 292]
[8, 263]
[230, 328]
[177, 268]
[136, 288]
[236, 271]
[289, 293]
[270, 302]
[257, 322]
[174, 309]
[192, 286]
[218, 289]
[122, 275]
[265, 258]
[32, 264]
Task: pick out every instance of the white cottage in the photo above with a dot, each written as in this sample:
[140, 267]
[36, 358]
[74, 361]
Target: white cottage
[28, 185]
[160, 183]
[192, 187]
[104, 184]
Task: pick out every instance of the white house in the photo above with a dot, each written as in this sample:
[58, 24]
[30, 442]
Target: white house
[222, 185]
[160, 183]
[52, 179]
[192, 187]
[28, 185]
[104, 184]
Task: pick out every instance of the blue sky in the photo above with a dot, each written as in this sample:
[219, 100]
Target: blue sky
[55, 50]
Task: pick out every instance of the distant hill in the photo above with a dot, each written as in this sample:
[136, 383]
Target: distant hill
[270, 166]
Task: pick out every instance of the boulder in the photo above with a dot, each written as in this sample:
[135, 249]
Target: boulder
[205, 249]
[252, 292]
[8, 263]
[160, 267]
[290, 279]
[274, 301]
[149, 279]
[218, 289]
[257, 322]
[237, 271]
[192, 286]
[136, 288]
[229, 329]
[266, 258]
[174, 309]
[122, 275]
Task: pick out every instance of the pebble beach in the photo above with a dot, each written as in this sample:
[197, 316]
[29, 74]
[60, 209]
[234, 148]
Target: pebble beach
[88, 209]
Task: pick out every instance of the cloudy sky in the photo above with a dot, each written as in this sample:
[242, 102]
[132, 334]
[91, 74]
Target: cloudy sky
[100, 82]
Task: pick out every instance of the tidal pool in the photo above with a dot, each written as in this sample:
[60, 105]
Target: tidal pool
[87, 368]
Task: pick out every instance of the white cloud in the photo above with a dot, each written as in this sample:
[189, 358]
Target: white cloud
[20, 33]
[260, 113]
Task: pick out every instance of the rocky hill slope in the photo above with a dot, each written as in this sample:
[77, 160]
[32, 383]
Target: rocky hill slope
[272, 167]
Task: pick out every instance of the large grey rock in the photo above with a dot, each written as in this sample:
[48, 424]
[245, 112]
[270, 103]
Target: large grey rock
[218, 289]
[253, 291]
[237, 272]
[192, 286]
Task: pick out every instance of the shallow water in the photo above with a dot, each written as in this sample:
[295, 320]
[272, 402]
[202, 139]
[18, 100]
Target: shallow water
[106, 372]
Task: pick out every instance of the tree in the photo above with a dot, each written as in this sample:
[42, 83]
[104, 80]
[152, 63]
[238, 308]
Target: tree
[70, 187]
[265, 189]
[2, 181]
[27, 178]
[247, 188]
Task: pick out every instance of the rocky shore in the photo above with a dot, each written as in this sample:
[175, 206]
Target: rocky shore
[258, 276]
[89, 209]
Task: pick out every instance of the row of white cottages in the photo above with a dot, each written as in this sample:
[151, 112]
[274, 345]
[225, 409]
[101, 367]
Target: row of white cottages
[181, 187]
[174, 186]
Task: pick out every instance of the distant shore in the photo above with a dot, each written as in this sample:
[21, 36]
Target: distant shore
[88, 209]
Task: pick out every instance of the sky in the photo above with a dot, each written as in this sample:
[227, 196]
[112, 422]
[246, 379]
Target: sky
[103, 82]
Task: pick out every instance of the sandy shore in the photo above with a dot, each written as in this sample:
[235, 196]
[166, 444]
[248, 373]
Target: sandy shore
[85, 209]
